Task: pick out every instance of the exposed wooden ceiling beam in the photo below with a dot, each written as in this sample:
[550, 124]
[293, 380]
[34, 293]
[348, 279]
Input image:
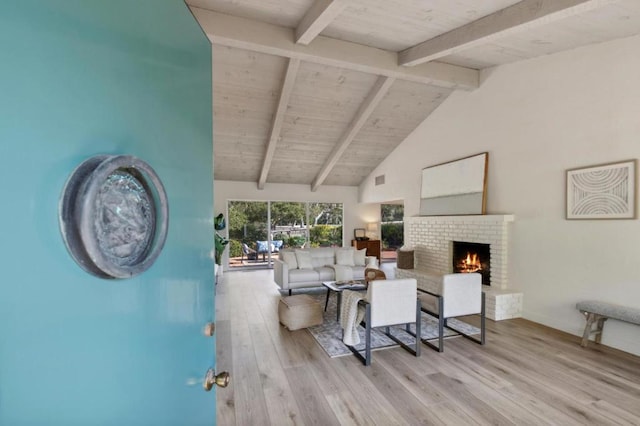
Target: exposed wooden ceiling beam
[276, 126]
[319, 15]
[367, 107]
[519, 17]
[242, 33]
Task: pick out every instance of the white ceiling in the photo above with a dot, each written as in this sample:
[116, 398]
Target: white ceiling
[319, 92]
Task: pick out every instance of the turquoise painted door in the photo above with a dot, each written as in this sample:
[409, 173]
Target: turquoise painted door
[80, 78]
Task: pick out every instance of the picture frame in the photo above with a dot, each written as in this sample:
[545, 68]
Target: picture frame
[604, 191]
[359, 234]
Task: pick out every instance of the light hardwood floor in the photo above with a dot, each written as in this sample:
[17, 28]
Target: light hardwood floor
[526, 374]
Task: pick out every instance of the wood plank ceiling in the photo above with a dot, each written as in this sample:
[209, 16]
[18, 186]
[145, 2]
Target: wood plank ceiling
[319, 92]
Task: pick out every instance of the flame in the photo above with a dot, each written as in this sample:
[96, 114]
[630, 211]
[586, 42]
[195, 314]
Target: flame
[471, 263]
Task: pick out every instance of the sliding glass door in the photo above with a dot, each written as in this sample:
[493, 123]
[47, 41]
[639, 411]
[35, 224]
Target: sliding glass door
[288, 224]
[258, 230]
[248, 234]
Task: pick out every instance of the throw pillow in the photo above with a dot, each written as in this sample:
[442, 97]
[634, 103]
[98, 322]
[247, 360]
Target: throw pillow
[359, 257]
[289, 258]
[304, 259]
[261, 246]
[373, 262]
[345, 257]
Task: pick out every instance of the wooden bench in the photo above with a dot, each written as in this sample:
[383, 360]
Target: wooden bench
[598, 312]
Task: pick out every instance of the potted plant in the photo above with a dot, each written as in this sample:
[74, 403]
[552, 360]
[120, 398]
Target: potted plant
[220, 242]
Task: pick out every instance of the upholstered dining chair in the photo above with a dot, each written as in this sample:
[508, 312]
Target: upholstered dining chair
[461, 294]
[388, 303]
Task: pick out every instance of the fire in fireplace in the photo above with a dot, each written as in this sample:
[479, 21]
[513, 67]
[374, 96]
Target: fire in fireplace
[472, 257]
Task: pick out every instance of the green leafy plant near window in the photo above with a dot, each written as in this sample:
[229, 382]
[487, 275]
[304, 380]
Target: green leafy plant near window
[220, 242]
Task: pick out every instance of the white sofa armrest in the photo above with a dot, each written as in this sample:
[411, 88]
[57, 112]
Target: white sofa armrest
[281, 273]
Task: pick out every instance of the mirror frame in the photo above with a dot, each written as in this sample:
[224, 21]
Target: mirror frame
[457, 187]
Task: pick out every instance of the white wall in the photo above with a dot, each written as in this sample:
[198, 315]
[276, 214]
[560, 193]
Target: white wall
[537, 119]
[356, 215]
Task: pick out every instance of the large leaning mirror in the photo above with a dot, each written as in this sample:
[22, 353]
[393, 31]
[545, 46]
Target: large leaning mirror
[457, 187]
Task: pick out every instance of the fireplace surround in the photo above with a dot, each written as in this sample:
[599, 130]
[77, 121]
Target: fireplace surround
[432, 238]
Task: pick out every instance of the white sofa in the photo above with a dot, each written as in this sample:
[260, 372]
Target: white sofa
[293, 269]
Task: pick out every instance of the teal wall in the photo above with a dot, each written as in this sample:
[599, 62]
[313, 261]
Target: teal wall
[80, 78]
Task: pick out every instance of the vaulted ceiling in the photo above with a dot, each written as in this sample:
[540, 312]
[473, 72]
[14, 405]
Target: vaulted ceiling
[319, 92]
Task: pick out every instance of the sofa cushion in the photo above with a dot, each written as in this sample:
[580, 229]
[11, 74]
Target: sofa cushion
[344, 256]
[304, 275]
[304, 259]
[359, 257]
[289, 257]
[261, 246]
[358, 272]
[326, 273]
[343, 272]
[322, 251]
[319, 262]
[321, 256]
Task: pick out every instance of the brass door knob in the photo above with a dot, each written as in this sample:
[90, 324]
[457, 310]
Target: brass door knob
[209, 329]
[211, 378]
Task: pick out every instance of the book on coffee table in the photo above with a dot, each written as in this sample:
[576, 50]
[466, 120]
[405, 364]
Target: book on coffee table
[351, 285]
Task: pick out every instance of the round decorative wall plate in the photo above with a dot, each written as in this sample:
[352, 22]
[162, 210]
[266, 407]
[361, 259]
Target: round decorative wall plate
[114, 216]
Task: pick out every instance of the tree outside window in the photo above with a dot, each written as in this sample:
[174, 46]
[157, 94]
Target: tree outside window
[325, 228]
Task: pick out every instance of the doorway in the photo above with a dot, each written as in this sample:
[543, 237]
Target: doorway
[391, 230]
[248, 236]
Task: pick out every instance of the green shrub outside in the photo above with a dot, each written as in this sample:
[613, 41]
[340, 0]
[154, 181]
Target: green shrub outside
[392, 235]
[281, 236]
[235, 248]
[295, 241]
[326, 235]
[289, 242]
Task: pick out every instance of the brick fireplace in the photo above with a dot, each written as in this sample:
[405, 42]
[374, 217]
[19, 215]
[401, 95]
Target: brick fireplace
[432, 238]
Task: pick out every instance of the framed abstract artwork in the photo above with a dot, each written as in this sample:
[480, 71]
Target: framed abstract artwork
[605, 191]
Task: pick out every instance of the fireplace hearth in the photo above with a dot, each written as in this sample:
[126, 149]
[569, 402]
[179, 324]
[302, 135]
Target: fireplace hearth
[470, 257]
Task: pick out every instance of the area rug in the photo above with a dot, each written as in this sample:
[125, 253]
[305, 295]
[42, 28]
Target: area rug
[329, 334]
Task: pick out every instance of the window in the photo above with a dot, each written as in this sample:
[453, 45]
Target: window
[325, 228]
[258, 230]
[289, 223]
[247, 230]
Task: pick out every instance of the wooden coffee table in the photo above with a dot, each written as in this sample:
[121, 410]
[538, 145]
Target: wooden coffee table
[337, 287]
